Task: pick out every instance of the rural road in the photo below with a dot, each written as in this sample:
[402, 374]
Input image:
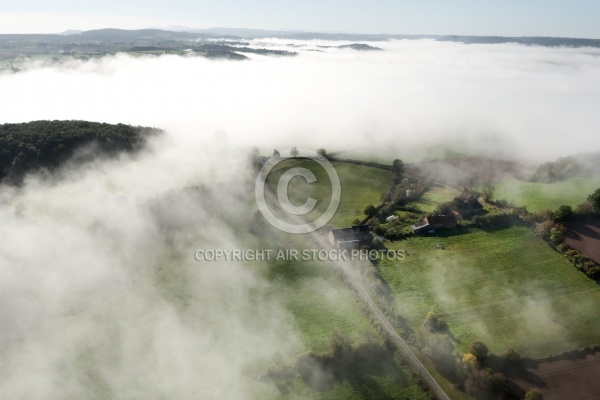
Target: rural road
[349, 272]
[394, 336]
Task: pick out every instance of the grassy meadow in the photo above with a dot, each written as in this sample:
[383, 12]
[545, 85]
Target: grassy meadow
[537, 196]
[430, 200]
[504, 287]
[361, 186]
[317, 300]
[320, 304]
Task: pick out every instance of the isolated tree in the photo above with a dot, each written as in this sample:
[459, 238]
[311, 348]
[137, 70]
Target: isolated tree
[534, 394]
[370, 211]
[322, 152]
[594, 199]
[479, 350]
[294, 152]
[276, 153]
[397, 169]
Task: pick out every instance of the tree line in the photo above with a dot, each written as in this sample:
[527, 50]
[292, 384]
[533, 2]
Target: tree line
[30, 146]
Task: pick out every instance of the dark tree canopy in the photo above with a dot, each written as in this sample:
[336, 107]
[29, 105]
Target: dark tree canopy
[398, 168]
[564, 213]
[479, 350]
[30, 146]
[595, 200]
[370, 210]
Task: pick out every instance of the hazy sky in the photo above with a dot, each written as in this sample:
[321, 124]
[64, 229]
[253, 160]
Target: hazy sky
[576, 18]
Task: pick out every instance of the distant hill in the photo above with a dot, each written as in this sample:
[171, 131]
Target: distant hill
[359, 46]
[157, 35]
[121, 35]
[531, 41]
[218, 47]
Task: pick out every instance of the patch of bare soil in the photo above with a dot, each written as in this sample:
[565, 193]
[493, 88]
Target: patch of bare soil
[576, 377]
[585, 238]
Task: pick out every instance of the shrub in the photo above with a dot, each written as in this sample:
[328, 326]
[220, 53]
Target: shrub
[479, 350]
[534, 394]
[434, 323]
[543, 229]
[469, 360]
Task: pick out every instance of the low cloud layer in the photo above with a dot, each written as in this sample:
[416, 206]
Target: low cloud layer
[99, 300]
[415, 97]
[102, 299]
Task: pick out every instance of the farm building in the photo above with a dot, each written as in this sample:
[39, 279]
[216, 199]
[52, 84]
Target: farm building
[432, 223]
[351, 238]
[469, 206]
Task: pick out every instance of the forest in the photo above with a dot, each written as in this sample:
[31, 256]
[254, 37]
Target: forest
[31, 146]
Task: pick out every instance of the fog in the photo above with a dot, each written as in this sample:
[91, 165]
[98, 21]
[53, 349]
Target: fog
[417, 98]
[100, 299]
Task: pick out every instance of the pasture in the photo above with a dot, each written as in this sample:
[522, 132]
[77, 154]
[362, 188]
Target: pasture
[505, 287]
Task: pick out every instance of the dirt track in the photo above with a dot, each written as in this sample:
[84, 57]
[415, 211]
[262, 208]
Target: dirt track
[575, 378]
[585, 237]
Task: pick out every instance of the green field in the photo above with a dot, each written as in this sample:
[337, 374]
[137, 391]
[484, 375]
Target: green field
[315, 296]
[320, 305]
[361, 186]
[430, 200]
[318, 300]
[537, 196]
[504, 287]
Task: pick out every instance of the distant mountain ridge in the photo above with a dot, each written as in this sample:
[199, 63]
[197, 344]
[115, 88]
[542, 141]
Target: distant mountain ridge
[124, 35]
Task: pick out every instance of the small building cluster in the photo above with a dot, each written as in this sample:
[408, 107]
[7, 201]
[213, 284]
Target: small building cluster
[469, 206]
[435, 222]
[351, 238]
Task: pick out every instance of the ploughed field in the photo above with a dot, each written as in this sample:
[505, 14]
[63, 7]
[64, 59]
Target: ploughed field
[585, 238]
[572, 378]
